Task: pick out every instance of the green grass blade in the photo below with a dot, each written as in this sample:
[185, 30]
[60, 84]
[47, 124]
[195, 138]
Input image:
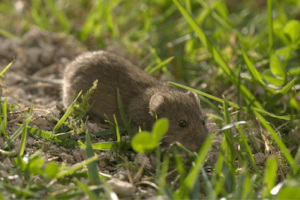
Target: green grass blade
[179, 165]
[211, 192]
[8, 35]
[279, 142]
[76, 167]
[288, 117]
[118, 133]
[23, 140]
[90, 21]
[6, 68]
[160, 65]
[93, 172]
[271, 102]
[112, 26]
[15, 134]
[110, 124]
[86, 190]
[248, 96]
[123, 115]
[238, 98]
[39, 15]
[242, 185]
[249, 152]
[158, 61]
[163, 174]
[64, 117]
[188, 184]
[94, 22]
[229, 146]
[210, 105]
[217, 178]
[61, 17]
[270, 24]
[41, 133]
[4, 120]
[270, 177]
[103, 146]
[205, 94]
[84, 113]
[20, 191]
[195, 194]
[62, 136]
[253, 71]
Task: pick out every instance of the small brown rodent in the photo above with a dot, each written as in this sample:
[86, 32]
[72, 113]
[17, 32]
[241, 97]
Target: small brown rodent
[141, 94]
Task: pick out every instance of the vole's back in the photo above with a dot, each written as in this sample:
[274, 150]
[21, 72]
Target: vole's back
[112, 72]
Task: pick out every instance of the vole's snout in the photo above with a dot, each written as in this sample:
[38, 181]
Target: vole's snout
[199, 136]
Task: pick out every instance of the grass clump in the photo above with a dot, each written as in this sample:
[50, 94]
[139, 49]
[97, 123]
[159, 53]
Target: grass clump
[81, 107]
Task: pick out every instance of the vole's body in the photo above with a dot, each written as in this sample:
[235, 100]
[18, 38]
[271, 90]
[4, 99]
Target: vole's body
[141, 94]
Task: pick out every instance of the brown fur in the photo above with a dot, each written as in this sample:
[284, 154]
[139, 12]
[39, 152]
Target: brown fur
[141, 94]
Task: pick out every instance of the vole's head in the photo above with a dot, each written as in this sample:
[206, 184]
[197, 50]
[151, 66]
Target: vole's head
[186, 122]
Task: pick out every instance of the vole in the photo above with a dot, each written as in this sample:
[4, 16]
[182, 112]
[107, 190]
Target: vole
[143, 97]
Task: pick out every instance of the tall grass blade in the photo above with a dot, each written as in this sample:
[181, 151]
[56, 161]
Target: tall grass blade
[217, 178]
[9, 35]
[6, 68]
[20, 191]
[41, 133]
[253, 71]
[270, 24]
[158, 61]
[163, 174]
[196, 190]
[123, 115]
[270, 177]
[15, 134]
[179, 165]
[86, 189]
[103, 146]
[160, 65]
[211, 192]
[38, 14]
[91, 20]
[288, 117]
[243, 185]
[271, 102]
[24, 138]
[61, 16]
[118, 133]
[65, 116]
[229, 146]
[76, 167]
[4, 120]
[249, 152]
[189, 182]
[279, 142]
[93, 172]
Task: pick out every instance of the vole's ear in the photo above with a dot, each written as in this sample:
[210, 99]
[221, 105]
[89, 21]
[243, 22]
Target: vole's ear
[194, 96]
[155, 102]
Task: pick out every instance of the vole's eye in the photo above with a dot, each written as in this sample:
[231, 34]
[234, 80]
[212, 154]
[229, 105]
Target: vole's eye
[203, 122]
[182, 123]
